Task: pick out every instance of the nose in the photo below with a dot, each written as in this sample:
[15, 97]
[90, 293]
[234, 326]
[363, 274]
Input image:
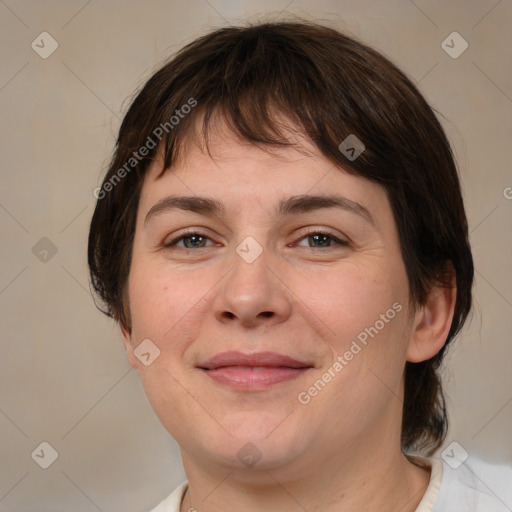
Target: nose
[254, 293]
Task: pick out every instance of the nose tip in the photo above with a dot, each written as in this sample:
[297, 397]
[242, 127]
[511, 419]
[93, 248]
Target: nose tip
[252, 293]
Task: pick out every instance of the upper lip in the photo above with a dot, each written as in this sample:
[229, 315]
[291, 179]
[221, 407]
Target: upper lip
[259, 359]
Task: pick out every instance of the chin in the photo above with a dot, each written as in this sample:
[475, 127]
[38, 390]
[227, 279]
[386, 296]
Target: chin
[254, 449]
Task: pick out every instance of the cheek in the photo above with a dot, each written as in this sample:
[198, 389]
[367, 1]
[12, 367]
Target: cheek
[169, 306]
[161, 300]
[165, 308]
[350, 299]
[360, 315]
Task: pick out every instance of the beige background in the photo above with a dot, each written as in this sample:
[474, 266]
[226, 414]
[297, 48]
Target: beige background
[64, 378]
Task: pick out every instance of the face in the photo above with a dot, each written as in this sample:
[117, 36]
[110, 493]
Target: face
[279, 323]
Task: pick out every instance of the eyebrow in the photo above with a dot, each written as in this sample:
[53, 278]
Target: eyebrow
[290, 206]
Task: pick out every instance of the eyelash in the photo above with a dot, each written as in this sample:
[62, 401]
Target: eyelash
[341, 243]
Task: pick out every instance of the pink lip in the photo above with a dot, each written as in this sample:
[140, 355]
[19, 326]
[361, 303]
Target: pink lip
[252, 372]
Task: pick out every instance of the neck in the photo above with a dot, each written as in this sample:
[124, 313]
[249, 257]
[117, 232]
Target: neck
[385, 484]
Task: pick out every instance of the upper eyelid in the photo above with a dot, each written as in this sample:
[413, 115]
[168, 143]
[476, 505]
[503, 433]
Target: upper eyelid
[311, 231]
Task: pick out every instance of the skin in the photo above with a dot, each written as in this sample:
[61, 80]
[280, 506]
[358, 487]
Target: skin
[340, 451]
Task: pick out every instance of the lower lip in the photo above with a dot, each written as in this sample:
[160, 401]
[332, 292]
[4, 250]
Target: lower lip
[246, 378]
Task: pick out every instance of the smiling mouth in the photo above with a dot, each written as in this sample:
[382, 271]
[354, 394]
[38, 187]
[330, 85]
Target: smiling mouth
[253, 372]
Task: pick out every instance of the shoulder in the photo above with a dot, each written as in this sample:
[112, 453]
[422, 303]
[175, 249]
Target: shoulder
[173, 501]
[474, 486]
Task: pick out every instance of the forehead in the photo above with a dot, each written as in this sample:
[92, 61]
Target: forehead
[220, 144]
[244, 175]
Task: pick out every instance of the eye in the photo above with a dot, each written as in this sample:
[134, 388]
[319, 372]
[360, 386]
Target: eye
[197, 240]
[192, 240]
[322, 239]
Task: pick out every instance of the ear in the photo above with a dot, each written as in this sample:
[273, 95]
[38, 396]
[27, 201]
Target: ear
[433, 321]
[127, 341]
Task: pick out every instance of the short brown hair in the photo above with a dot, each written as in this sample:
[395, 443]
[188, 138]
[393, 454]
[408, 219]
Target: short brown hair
[332, 86]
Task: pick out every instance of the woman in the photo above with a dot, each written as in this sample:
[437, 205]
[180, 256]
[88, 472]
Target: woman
[282, 239]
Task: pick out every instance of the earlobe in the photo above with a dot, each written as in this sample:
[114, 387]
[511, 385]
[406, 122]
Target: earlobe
[127, 341]
[432, 322]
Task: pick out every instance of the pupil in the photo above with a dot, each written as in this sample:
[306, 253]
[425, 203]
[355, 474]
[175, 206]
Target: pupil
[189, 241]
[317, 237]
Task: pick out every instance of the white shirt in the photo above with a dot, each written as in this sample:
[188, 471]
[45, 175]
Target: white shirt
[475, 486]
